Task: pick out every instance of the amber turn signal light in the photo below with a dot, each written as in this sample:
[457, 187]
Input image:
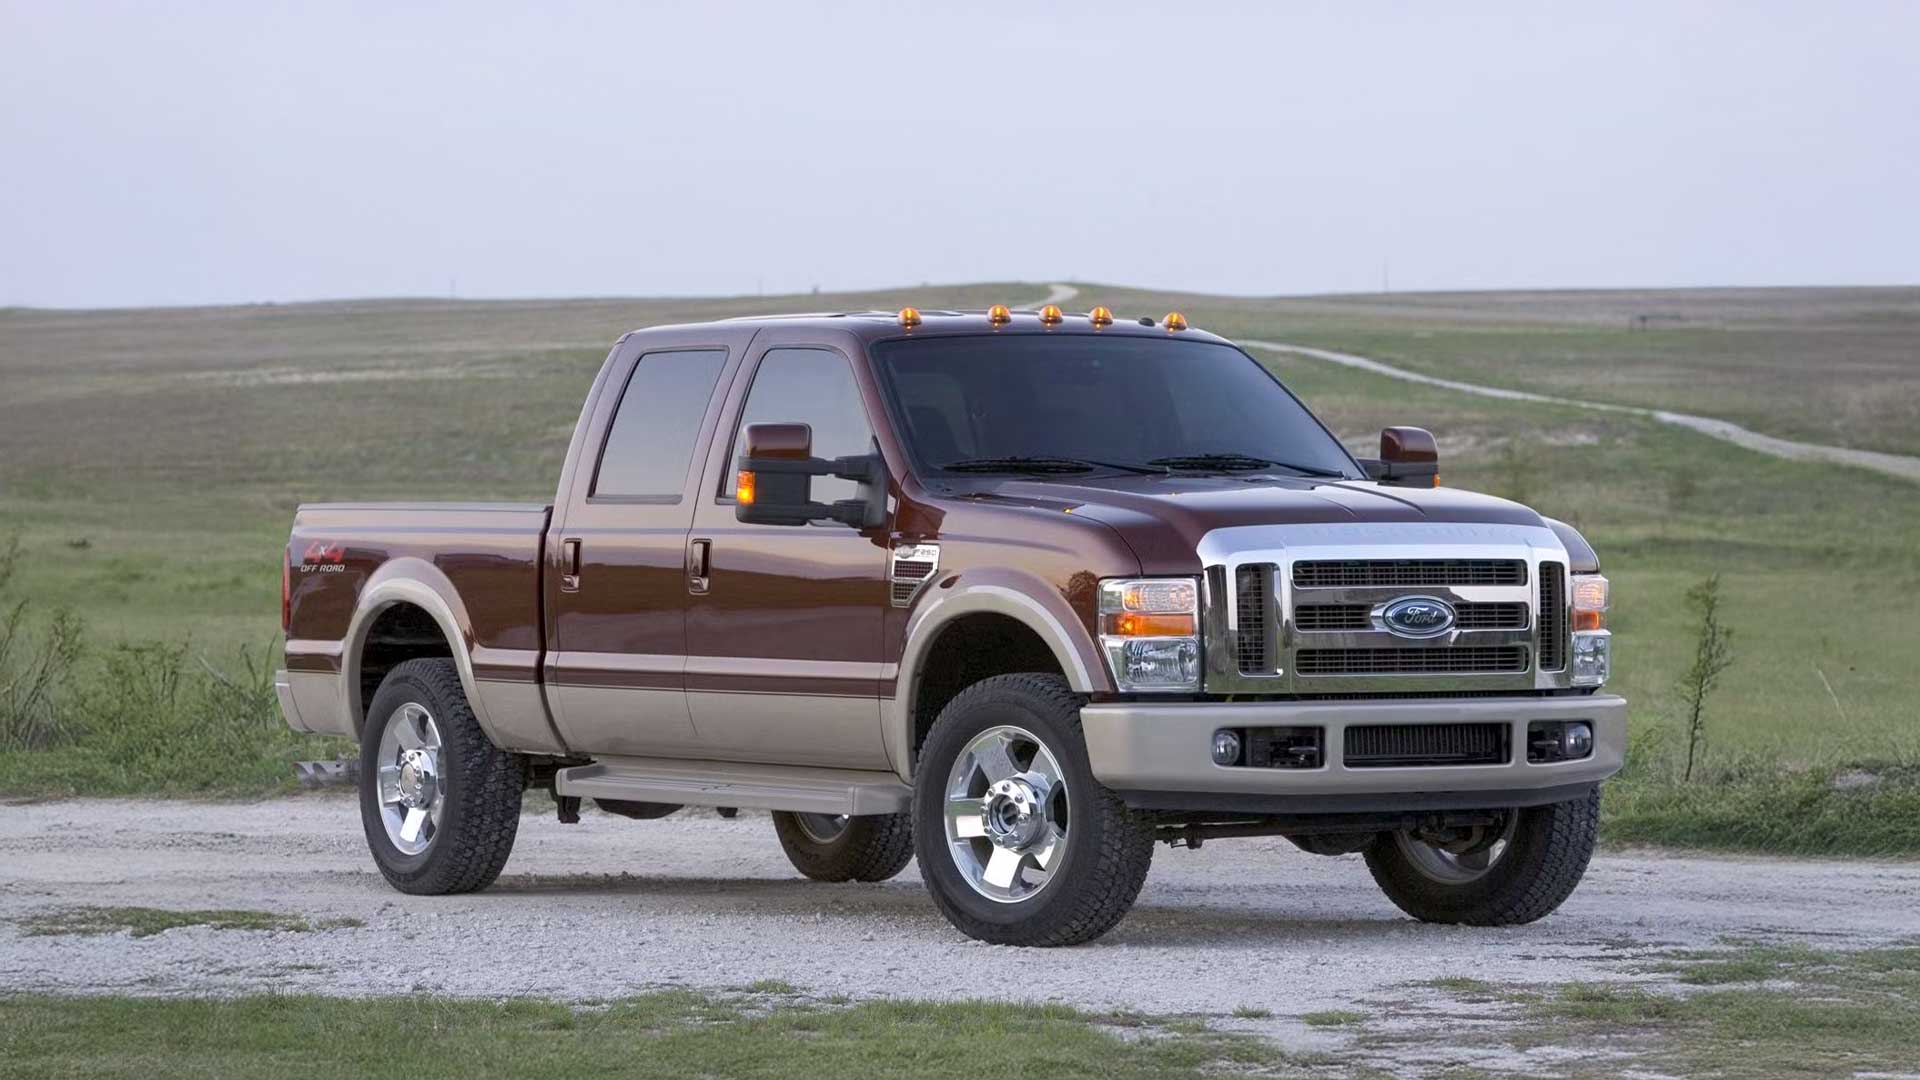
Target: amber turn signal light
[743, 487]
[998, 315]
[1138, 624]
[1100, 317]
[1175, 321]
[1050, 315]
[909, 316]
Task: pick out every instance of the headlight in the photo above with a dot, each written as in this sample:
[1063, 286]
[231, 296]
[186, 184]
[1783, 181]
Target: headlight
[1592, 642]
[1150, 632]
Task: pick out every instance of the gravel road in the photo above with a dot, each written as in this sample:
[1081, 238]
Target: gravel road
[611, 907]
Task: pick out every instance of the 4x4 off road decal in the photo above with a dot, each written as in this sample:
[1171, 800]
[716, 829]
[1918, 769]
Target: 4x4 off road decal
[324, 558]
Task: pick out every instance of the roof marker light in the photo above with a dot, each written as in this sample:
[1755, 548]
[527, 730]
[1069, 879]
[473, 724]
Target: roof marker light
[998, 315]
[1100, 316]
[1175, 321]
[909, 316]
[1050, 315]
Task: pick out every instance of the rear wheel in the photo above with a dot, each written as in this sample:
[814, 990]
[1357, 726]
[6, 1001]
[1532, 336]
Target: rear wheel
[1018, 843]
[1516, 870]
[440, 804]
[838, 847]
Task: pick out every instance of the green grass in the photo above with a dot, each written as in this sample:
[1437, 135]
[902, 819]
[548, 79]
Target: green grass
[1333, 1018]
[151, 461]
[671, 1034]
[145, 921]
[1251, 1012]
[1842, 1013]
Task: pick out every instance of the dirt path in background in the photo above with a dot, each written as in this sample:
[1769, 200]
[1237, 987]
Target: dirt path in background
[1899, 465]
[611, 907]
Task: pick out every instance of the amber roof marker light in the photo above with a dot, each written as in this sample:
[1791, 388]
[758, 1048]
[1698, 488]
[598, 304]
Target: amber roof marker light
[1175, 322]
[998, 315]
[1050, 315]
[1100, 316]
[909, 317]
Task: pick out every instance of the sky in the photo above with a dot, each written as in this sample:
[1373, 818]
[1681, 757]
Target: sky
[222, 153]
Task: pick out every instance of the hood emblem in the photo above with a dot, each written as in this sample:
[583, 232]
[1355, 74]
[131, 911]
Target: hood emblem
[1418, 617]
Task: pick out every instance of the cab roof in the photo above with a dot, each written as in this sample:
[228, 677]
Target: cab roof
[870, 326]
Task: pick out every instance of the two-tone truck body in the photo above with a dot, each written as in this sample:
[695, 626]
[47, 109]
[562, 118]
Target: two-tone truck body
[1021, 593]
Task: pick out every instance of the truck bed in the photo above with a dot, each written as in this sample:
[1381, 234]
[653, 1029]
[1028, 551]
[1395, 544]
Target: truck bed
[481, 561]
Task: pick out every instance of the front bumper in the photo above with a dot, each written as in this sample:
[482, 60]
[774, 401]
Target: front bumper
[1158, 755]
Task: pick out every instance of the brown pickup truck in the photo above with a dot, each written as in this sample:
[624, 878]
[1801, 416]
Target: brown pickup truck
[1017, 593]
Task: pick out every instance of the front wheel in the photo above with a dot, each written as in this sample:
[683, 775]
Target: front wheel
[440, 803]
[1018, 843]
[1516, 870]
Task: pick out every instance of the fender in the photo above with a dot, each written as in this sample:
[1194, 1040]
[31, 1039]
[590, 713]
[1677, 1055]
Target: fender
[1013, 595]
[410, 580]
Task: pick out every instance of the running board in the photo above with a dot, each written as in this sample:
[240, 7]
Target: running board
[729, 783]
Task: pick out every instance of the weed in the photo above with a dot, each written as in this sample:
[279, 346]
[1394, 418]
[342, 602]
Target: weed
[1711, 657]
[1333, 1018]
[1251, 1012]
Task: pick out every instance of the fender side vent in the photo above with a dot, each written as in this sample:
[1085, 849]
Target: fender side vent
[913, 566]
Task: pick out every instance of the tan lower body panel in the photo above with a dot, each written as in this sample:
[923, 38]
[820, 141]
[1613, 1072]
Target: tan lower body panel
[750, 787]
[623, 720]
[799, 729]
[312, 701]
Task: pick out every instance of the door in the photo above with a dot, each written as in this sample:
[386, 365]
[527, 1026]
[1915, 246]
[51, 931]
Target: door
[784, 655]
[617, 594]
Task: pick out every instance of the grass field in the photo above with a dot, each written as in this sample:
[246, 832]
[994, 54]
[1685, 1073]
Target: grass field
[1736, 1012]
[150, 462]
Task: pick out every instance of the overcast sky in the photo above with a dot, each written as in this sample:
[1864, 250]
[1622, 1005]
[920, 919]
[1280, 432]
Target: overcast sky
[210, 153]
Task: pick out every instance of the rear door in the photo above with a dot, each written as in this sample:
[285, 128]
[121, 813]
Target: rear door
[784, 653]
[616, 587]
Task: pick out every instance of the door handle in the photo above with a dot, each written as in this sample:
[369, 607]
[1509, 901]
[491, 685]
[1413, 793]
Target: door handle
[699, 560]
[570, 566]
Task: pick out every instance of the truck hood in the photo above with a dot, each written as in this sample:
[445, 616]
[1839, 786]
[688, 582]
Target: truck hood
[1164, 518]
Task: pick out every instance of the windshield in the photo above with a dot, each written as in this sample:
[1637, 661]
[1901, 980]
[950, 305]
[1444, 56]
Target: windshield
[1076, 404]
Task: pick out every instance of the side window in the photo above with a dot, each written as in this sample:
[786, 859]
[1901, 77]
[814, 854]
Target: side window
[651, 439]
[813, 387]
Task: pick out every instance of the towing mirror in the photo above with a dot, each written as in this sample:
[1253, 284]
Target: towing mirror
[775, 483]
[1408, 458]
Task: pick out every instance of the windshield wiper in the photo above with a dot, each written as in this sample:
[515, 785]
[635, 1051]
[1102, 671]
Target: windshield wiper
[1238, 463]
[1040, 465]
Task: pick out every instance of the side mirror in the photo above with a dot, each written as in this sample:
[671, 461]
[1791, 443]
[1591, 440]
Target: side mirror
[775, 484]
[1408, 458]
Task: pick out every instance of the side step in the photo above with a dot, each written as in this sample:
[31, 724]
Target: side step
[731, 783]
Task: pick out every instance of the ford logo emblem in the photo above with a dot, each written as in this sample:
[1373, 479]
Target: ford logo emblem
[1418, 617]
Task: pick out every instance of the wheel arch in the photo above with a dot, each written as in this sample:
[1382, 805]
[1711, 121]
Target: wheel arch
[947, 620]
[407, 585]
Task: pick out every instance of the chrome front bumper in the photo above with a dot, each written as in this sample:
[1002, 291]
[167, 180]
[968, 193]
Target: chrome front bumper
[1159, 755]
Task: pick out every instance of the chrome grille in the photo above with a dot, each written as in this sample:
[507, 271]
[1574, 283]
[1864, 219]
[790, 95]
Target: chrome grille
[1553, 617]
[1252, 590]
[1438, 660]
[1327, 617]
[1397, 573]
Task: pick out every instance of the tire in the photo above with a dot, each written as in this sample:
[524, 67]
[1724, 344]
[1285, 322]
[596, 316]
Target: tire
[476, 790]
[1545, 855]
[871, 847]
[1092, 870]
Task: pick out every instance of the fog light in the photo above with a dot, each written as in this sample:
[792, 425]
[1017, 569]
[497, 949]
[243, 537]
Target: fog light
[1590, 657]
[1226, 747]
[1578, 742]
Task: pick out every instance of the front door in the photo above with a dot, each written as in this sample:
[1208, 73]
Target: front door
[784, 655]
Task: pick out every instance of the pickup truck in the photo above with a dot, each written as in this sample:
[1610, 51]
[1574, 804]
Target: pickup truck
[1018, 593]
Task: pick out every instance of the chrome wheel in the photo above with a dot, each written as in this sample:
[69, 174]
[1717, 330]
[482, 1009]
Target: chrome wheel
[821, 828]
[1462, 861]
[413, 787]
[1006, 814]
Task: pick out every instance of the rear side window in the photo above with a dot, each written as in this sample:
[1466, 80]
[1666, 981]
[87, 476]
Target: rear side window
[813, 387]
[651, 440]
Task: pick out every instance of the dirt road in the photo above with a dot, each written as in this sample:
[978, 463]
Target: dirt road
[611, 907]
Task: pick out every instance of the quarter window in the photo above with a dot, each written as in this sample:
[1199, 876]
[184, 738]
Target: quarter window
[813, 387]
[651, 440]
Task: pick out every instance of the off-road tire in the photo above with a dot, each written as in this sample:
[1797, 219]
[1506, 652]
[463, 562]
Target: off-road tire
[1108, 848]
[872, 847]
[483, 787]
[1542, 864]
